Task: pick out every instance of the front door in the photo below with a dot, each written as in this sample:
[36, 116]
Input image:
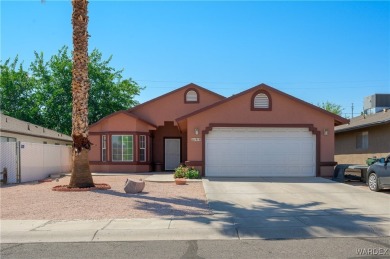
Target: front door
[172, 153]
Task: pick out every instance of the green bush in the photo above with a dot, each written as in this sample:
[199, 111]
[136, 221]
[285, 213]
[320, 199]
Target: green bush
[184, 172]
[193, 174]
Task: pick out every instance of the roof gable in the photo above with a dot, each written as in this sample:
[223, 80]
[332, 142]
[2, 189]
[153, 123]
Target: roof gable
[190, 85]
[125, 112]
[338, 120]
[174, 104]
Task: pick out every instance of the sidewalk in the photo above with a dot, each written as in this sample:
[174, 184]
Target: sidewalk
[231, 221]
[184, 228]
[215, 227]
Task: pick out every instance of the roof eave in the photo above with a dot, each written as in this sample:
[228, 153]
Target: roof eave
[174, 91]
[338, 120]
[126, 112]
[362, 126]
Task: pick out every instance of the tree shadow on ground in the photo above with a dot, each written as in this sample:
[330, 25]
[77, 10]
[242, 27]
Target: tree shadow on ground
[266, 218]
[163, 207]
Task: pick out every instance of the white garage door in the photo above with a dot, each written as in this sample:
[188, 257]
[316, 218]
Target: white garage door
[255, 152]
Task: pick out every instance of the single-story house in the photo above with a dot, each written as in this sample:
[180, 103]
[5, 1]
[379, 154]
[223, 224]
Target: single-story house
[258, 132]
[13, 130]
[363, 137]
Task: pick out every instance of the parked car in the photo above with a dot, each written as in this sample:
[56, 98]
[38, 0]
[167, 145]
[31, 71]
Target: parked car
[379, 174]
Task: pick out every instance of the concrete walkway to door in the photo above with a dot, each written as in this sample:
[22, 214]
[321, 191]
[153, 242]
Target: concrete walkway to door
[300, 207]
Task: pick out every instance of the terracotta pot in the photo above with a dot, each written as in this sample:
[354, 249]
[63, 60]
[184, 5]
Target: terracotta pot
[180, 181]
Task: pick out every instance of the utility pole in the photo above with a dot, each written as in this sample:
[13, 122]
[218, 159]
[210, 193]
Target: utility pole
[352, 111]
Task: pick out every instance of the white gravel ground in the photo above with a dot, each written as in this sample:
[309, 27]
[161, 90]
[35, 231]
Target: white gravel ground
[37, 201]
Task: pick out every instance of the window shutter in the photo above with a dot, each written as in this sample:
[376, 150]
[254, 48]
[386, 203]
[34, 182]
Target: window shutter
[261, 101]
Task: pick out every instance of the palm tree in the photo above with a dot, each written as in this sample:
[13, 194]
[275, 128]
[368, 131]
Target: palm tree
[81, 174]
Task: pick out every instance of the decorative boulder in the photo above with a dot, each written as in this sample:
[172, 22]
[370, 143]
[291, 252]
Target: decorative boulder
[134, 186]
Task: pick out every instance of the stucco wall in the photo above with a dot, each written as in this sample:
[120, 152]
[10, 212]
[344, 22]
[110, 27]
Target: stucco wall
[167, 131]
[95, 152]
[118, 168]
[378, 145]
[172, 106]
[118, 124]
[284, 111]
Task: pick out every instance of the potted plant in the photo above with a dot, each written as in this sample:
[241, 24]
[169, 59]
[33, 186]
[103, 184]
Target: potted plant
[180, 175]
[183, 172]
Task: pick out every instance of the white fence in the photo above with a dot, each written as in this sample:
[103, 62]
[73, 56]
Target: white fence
[9, 159]
[36, 161]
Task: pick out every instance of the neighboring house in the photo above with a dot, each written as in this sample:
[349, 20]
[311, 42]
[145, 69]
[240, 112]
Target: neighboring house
[365, 136]
[259, 132]
[12, 130]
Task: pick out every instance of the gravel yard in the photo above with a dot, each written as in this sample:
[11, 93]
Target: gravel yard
[37, 201]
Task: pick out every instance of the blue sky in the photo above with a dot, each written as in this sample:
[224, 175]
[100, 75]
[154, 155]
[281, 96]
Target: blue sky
[316, 51]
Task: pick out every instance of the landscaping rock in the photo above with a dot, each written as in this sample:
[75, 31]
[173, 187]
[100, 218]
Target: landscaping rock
[134, 186]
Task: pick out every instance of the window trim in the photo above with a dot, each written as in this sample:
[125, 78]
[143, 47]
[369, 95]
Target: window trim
[112, 149]
[142, 148]
[197, 95]
[253, 101]
[104, 148]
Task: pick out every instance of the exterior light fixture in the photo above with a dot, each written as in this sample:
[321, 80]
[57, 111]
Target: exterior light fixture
[196, 131]
[326, 132]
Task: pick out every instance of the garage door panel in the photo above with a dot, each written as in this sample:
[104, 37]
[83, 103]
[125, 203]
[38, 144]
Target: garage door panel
[260, 152]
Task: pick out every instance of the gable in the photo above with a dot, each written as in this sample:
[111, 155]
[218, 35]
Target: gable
[281, 108]
[121, 121]
[180, 102]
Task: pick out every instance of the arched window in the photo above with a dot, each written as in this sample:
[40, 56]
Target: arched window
[191, 96]
[261, 101]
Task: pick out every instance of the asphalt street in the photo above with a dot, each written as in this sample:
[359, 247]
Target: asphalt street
[303, 248]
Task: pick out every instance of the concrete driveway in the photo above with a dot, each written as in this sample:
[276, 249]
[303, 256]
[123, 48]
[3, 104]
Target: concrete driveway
[303, 207]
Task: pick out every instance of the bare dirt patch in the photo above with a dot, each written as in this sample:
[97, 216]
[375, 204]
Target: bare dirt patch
[37, 200]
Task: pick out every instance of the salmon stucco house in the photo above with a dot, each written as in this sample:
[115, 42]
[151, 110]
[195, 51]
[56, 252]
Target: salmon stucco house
[259, 132]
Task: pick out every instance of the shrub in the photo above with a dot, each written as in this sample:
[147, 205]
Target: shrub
[193, 173]
[181, 172]
[184, 172]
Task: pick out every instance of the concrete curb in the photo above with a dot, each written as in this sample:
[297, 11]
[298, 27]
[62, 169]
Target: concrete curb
[215, 227]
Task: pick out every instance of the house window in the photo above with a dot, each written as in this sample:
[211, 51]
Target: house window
[261, 101]
[191, 96]
[142, 148]
[104, 148]
[122, 147]
[7, 139]
[362, 140]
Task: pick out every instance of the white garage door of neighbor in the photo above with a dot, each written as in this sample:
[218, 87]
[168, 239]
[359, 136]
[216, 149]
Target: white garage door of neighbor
[252, 152]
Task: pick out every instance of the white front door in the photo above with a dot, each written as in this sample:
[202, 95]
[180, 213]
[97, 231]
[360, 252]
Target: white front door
[235, 152]
[172, 153]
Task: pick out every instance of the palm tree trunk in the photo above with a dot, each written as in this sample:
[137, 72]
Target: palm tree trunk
[81, 174]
